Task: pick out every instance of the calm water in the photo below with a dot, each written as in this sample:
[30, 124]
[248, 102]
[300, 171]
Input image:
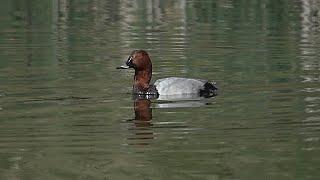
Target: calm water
[67, 113]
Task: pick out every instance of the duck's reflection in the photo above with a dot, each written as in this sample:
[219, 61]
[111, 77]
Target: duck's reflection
[143, 112]
[142, 128]
[142, 125]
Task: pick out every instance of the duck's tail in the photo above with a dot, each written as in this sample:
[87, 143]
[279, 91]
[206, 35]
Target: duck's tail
[209, 90]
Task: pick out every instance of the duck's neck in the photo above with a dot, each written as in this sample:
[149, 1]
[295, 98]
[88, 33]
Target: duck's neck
[142, 79]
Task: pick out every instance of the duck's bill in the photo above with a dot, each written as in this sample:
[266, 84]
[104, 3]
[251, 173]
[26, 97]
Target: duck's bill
[123, 67]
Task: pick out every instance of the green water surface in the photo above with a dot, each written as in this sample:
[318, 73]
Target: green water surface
[67, 113]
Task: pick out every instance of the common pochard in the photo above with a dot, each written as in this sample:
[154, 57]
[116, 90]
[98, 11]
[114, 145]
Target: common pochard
[140, 61]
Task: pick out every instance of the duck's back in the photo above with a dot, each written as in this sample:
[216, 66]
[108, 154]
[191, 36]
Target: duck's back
[177, 85]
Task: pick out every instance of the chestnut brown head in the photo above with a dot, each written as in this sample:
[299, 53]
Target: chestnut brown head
[139, 60]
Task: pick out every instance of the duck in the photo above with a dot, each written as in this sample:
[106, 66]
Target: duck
[140, 61]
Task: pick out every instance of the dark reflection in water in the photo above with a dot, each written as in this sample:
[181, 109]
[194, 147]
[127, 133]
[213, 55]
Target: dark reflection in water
[64, 108]
[142, 121]
[142, 111]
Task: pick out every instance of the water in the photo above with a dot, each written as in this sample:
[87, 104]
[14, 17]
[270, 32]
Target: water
[67, 113]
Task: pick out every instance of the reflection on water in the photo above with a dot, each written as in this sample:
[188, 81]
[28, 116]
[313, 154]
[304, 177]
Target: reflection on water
[66, 113]
[310, 66]
[142, 128]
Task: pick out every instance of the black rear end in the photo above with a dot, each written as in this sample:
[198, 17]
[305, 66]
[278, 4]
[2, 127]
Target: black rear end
[209, 90]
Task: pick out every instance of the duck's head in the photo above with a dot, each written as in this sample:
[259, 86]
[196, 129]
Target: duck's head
[140, 61]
